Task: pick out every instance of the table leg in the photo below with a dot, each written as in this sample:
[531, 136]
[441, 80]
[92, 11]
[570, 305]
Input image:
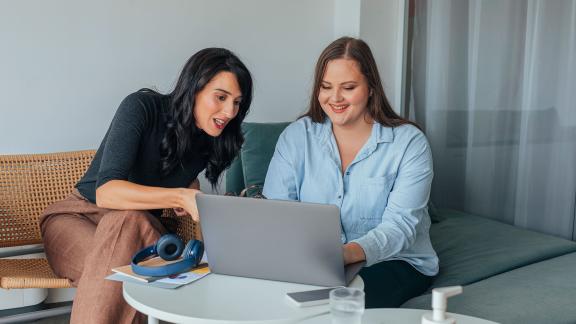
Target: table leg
[153, 320]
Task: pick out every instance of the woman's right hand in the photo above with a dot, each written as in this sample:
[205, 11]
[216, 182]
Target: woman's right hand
[189, 203]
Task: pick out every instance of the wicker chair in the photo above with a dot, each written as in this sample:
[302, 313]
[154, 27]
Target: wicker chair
[28, 184]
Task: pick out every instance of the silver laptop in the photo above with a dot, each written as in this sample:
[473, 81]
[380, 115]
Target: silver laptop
[274, 239]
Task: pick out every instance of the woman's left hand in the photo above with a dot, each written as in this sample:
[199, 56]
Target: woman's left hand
[353, 253]
[181, 212]
[188, 202]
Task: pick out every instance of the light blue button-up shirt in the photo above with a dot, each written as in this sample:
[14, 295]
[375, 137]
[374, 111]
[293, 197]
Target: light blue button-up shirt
[382, 195]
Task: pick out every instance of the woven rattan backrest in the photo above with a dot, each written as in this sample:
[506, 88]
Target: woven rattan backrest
[28, 184]
[183, 226]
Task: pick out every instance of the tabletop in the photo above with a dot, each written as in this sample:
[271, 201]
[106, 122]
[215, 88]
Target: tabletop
[221, 299]
[397, 316]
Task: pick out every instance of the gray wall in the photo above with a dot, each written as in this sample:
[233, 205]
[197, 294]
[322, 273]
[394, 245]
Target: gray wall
[65, 65]
[382, 27]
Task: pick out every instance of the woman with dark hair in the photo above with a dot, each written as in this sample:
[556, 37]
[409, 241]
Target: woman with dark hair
[149, 160]
[352, 150]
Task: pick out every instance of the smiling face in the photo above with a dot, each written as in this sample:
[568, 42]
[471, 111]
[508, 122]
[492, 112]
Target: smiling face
[217, 103]
[344, 93]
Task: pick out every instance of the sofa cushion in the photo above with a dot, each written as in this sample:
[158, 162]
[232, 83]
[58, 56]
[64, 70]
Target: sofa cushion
[436, 215]
[234, 177]
[544, 292]
[472, 248]
[258, 148]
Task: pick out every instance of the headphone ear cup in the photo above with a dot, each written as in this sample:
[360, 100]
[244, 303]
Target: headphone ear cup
[194, 251]
[169, 247]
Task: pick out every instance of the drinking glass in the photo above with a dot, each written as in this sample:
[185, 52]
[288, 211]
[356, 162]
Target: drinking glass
[346, 305]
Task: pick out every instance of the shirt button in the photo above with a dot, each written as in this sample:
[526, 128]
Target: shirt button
[339, 196]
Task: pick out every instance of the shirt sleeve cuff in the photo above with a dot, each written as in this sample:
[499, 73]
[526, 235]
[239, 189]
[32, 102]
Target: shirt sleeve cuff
[371, 248]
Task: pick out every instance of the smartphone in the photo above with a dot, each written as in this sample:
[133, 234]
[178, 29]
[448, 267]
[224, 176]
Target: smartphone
[310, 297]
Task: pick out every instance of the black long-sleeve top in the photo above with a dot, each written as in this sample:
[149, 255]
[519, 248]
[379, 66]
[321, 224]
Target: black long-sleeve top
[130, 149]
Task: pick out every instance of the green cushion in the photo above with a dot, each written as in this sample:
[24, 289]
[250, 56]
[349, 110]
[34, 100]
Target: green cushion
[435, 213]
[543, 292]
[234, 177]
[472, 248]
[260, 142]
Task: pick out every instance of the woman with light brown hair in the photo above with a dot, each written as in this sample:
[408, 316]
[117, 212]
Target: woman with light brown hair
[353, 151]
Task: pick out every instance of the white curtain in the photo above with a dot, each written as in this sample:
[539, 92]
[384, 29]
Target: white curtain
[494, 86]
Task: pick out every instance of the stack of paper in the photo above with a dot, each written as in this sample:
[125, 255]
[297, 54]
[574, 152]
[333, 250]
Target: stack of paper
[125, 274]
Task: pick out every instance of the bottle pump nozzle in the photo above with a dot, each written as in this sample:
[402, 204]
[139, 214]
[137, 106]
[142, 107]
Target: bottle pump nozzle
[439, 304]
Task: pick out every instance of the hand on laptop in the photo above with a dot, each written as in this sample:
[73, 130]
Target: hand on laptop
[189, 204]
[353, 253]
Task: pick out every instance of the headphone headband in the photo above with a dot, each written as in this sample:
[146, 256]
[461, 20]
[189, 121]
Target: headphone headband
[191, 258]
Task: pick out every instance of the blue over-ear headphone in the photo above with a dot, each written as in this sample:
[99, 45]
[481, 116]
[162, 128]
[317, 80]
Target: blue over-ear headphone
[169, 247]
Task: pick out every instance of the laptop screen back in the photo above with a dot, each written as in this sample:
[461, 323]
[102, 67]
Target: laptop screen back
[272, 239]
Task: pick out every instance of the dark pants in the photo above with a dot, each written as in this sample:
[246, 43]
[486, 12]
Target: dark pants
[389, 284]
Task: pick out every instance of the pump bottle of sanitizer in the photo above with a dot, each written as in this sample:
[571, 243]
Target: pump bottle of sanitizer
[439, 303]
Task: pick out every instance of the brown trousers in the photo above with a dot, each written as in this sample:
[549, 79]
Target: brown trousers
[84, 242]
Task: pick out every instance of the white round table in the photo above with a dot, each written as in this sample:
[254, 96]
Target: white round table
[397, 316]
[220, 299]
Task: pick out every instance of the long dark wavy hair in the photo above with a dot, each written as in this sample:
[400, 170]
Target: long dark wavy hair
[182, 136]
[355, 49]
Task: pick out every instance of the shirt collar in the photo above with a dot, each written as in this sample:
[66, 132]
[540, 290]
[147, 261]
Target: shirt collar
[380, 134]
[325, 131]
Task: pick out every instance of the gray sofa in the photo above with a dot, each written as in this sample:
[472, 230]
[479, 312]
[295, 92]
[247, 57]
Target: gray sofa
[510, 275]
